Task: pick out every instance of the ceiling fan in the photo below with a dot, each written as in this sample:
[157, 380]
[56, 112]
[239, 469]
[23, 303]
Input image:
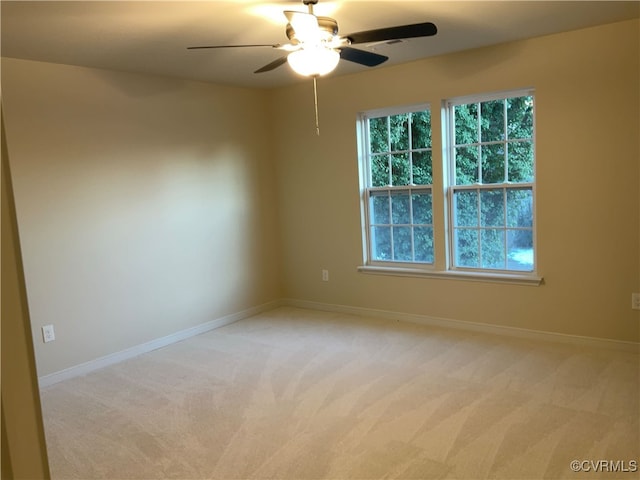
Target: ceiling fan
[315, 47]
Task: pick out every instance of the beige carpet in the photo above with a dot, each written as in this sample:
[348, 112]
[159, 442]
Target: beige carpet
[297, 394]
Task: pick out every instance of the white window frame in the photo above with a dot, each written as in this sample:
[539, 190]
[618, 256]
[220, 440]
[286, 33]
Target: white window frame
[450, 172]
[367, 190]
[442, 199]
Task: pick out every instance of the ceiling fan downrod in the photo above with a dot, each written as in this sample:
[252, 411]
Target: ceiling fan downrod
[310, 4]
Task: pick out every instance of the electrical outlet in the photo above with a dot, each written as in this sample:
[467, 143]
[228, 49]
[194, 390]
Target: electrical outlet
[635, 301]
[48, 335]
[325, 275]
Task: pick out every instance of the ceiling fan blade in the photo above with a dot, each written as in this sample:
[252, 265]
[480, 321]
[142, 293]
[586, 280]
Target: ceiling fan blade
[273, 65]
[362, 57]
[234, 46]
[426, 29]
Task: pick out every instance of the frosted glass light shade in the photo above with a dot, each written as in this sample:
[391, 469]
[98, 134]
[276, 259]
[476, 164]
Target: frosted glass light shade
[311, 61]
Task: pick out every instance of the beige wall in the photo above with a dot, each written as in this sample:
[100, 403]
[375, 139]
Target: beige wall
[145, 205]
[588, 157]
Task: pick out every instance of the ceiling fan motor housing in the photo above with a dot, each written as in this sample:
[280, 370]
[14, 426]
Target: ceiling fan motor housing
[328, 28]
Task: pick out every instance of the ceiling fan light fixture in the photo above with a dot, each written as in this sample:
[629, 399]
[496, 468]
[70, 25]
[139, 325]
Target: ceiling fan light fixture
[314, 60]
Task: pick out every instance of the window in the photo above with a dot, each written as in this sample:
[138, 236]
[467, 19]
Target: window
[398, 178]
[485, 190]
[491, 175]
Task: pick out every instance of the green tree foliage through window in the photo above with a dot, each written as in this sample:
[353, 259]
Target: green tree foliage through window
[400, 149]
[400, 203]
[493, 174]
[486, 191]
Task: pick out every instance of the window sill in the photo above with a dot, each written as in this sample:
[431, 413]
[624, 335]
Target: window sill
[504, 278]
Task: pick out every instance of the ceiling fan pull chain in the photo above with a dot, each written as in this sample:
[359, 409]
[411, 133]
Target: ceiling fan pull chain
[315, 101]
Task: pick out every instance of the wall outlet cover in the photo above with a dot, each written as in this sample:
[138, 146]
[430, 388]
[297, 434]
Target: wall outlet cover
[635, 301]
[48, 334]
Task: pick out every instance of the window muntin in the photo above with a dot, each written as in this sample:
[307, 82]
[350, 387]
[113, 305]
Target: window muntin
[398, 193]
[491, 168]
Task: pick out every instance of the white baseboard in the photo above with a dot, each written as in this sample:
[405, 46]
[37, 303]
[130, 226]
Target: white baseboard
[90, 366]
[578, 340]
[101, 362]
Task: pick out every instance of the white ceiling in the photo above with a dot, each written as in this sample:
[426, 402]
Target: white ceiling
[152, 36]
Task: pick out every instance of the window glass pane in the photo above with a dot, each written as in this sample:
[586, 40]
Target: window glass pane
[520, 250]
[423, 244]
[380, 208]
[466, 248]
[422, 209]
[519, 207]
[492, 248]
[520, 161]
[466, 208]
[492, 208]
[402, 244]
[378, 135]
[466, 124]
[422, 174]
[381, 243]
[399, 132]
[421, 130]
[520, 117]
[493, 163]
[492, 121]
[380, 170]
[400, 170]
[400, 212]
[493, 145]
[467, 165]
